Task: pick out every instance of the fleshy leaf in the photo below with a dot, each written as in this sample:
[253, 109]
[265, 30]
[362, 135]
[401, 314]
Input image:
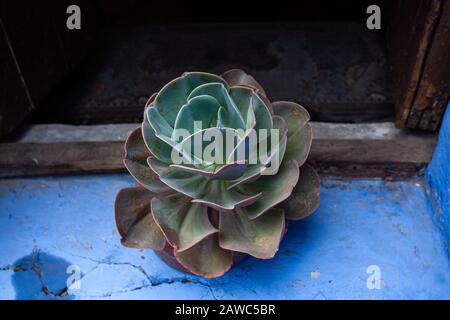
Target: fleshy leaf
[134, 220]
[227, 171]
[266, 101]
[244, 97]
[259, 237]
[269, 166]
[159, 123]
[174, 94]
[213, 193]
[212, 146]
[135, 161]
[274, 151]
[201, 109]
[233, 118]
[236, 77]
[218, 197]
[221, 117]
[145, 176]
[151, 99]
[158, 148]
[253, 171]
[216, 138]
[183, 223]
[299, 130]
[262, 113]
[135, 148]
[274, 189]
[305, 197]
[206, 258]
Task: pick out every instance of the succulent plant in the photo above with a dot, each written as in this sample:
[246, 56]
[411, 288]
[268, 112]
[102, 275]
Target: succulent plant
[202, 215]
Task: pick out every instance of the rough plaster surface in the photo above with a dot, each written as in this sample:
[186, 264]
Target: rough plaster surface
[50, 223]
[438, 176]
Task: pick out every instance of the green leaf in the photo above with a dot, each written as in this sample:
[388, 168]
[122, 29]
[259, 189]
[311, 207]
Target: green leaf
[233, 118]
[274, 149]
[159, 124]
[213, 193]
[136, 154]
[217, 195]
[227, 171]
[262, 113]
[252, 172]
[174, 95]
[202, 109]
[135, 148]
[269, 166]
[259, 237]
[203, 145]
[299, 145]
[158, 148]
[277, 149]
[221, 117]
[134, 220]
[274, 189]
[266, 101]
[151, 99]
[245, 97]
[305, 197]
[242, 97]
[145, 176]
[183, 223]
[237, 77]
[161, 131]
[206, 258]
[299, 130]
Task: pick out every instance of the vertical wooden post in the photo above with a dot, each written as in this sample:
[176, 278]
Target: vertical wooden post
[419, 45]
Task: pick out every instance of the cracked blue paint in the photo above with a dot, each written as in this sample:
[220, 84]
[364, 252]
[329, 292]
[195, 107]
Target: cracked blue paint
[359, 223]
[40, 276]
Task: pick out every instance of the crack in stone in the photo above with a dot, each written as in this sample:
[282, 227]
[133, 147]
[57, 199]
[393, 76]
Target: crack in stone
[166, 281]
[35, 267]
[6, 268]
[153, 281]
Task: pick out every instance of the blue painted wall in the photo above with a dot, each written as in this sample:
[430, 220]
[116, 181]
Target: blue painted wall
[438, 176]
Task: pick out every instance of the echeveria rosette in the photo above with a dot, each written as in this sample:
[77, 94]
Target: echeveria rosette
[207, 213]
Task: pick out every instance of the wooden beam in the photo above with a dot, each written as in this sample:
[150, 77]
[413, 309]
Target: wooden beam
[61, 149]
[360, 150]
[369, 143]
[419, 45]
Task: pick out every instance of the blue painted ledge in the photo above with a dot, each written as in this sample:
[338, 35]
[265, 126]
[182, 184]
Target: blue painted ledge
[50, 223]
[438, 177]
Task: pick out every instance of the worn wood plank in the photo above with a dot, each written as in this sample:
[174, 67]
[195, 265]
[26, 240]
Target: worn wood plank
[433, 91]
[377, 149]
[419, 45]
[369, 143]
